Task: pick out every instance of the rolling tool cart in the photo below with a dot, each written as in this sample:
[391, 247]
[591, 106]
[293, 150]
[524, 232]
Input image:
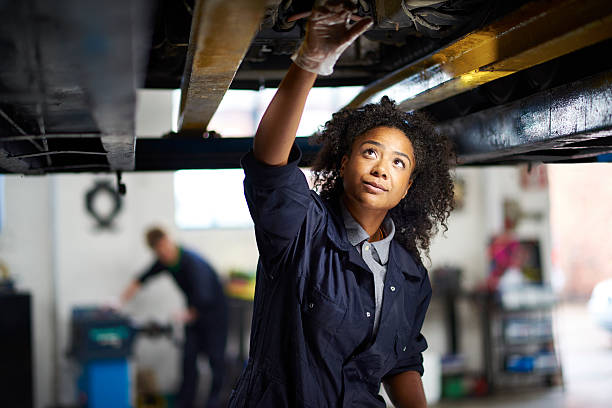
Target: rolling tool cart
[102, 342]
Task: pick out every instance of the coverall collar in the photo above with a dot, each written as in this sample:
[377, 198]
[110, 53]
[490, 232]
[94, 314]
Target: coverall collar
[337, 234]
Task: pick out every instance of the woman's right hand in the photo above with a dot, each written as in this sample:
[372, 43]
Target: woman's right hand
[328, 34]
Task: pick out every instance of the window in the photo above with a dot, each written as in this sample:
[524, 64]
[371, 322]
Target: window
[210, 199]
[240, 110]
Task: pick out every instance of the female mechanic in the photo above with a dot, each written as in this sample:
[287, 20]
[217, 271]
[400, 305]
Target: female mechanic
[341, 291]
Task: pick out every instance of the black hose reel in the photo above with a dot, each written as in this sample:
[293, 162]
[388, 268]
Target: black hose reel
[101, 189]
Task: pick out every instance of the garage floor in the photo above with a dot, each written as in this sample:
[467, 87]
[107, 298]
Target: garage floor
[586, 355]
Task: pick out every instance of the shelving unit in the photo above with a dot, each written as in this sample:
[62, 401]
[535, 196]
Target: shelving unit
[519, 346]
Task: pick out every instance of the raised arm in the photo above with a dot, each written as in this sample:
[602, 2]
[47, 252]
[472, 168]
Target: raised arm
[328, 34]
[278, 126]
[129, 292]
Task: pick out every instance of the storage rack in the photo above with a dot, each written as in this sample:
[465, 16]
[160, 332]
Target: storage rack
[519, 346]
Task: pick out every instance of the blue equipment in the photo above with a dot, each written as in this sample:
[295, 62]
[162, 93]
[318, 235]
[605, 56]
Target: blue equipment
[102, 340]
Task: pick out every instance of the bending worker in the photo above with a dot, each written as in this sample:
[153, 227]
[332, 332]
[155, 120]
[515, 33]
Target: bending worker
[205, 318]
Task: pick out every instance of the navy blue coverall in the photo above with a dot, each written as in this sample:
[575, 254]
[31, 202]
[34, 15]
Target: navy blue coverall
[208, 334]
[311, 338]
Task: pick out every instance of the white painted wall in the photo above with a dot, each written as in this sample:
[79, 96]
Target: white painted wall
[156, 111]
[462, 245]
[26, 248]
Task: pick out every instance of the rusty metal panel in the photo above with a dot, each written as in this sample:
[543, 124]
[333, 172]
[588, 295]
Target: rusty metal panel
[221, 32]
[109, 54]
[537, 32]
[573, 116]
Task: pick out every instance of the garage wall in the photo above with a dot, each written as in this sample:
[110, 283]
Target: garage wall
[26, 248]
[581, 212]
[461, 246]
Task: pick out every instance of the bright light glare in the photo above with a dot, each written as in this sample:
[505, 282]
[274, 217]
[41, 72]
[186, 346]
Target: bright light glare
[176, 103]
[412, 86]
[240, 111]
[207, 199]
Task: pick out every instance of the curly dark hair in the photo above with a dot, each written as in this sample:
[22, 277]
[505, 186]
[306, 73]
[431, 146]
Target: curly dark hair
[430, 198]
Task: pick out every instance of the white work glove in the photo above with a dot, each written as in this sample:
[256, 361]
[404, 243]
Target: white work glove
[328, 34]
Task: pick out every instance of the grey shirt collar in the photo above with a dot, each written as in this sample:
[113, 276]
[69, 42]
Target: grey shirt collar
[356, 234]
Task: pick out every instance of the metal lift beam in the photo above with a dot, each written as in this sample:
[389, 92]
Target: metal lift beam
[570, 118]
[192, 153]
[221, 32]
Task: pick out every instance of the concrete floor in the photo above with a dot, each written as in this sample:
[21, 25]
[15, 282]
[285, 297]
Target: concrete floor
[586, 358]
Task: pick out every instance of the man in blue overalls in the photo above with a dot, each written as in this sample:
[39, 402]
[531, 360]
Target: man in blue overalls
[206, 315]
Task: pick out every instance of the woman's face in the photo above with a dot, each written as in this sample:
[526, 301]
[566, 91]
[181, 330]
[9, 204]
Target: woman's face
[376, 175]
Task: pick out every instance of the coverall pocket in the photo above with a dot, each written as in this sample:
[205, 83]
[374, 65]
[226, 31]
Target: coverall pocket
[320, 312]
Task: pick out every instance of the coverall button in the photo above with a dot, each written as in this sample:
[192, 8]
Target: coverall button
[311, 305]
[368, 314]
[392, 288]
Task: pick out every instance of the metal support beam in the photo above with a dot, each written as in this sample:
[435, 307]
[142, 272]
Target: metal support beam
[537, 32]
[221, 32]
[191, 153]
[569, 116]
